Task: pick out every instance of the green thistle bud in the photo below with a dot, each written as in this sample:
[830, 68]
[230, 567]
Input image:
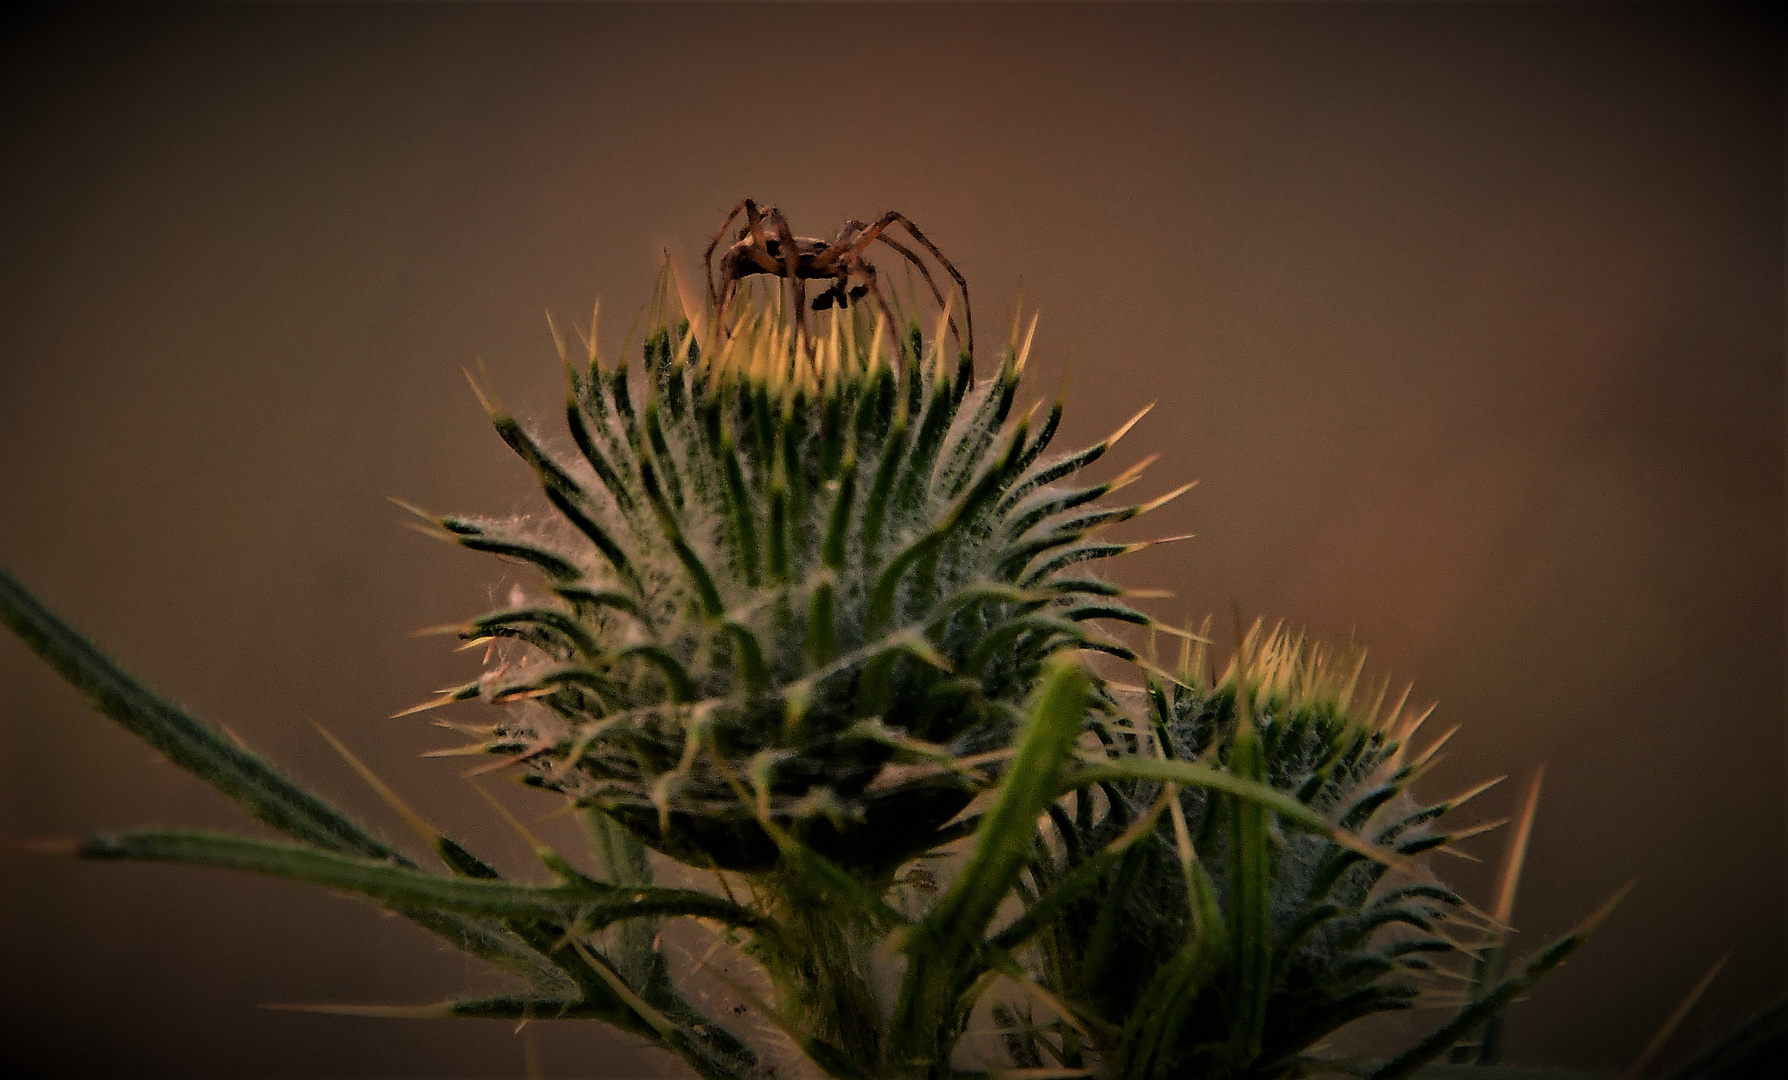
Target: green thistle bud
[1225, 938]
[782, 572]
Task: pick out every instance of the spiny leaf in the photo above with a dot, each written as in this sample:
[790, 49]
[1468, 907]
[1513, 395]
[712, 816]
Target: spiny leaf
[587, 902]
[1250, 892]
[944, 942]
[1049, 905]
[1165, 1005]
[188, 742]
[1193, 774]
[1477, 1012]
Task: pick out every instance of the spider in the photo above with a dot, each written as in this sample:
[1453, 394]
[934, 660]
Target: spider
[766, 245]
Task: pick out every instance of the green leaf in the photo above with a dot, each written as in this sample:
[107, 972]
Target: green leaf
[588, 600]
[822, 626]
[1475, 1014]
[912, 491]
[751, 657]
[1055, 503]
[1080, 553]
[839, 524]
[1076, 883]
[661, 450]
[243, 777]
[875, 509]
[1250, 894]
[188, 742]
[580, 434]
[1009, 631]
[1114, 612]
[983, 426]
[515, 622]
[1193, 774]
[881, 599]
[580, 901]
[566, 496]
[779, 527]
[1166, 1003]
[1073, 463]
[943, 947]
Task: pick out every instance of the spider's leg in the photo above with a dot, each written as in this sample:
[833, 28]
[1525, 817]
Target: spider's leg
[729, 287]
[754, 223]
[842, 245]
[708, 255]
[968, 315]
[791, 266]
[847, 234]
[924, 272]
[881, 302]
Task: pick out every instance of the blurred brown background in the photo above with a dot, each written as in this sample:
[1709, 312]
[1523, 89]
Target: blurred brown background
[1470, 319]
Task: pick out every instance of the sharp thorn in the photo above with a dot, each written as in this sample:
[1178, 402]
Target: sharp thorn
[429, 834]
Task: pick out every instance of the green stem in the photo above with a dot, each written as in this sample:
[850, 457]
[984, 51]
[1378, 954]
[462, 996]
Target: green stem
[818, 960]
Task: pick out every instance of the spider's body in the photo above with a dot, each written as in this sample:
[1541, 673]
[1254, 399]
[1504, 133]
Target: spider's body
[766, 245]
[814, 260]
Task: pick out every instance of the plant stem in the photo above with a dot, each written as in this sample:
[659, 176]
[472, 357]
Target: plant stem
[817, 956]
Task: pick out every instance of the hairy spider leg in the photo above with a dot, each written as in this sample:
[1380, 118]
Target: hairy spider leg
[846, 248]
[708, 255]
[936, 294]
[968, 313]
[757, 253]
[791, 267]
[754, 226]
[754, 223]
[875, 231]
[893, 327]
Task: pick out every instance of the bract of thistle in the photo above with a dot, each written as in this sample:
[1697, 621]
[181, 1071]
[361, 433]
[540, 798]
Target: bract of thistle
[794, 585]
[1225, 944]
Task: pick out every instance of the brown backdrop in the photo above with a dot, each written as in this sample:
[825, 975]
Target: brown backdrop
[1469, 318]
